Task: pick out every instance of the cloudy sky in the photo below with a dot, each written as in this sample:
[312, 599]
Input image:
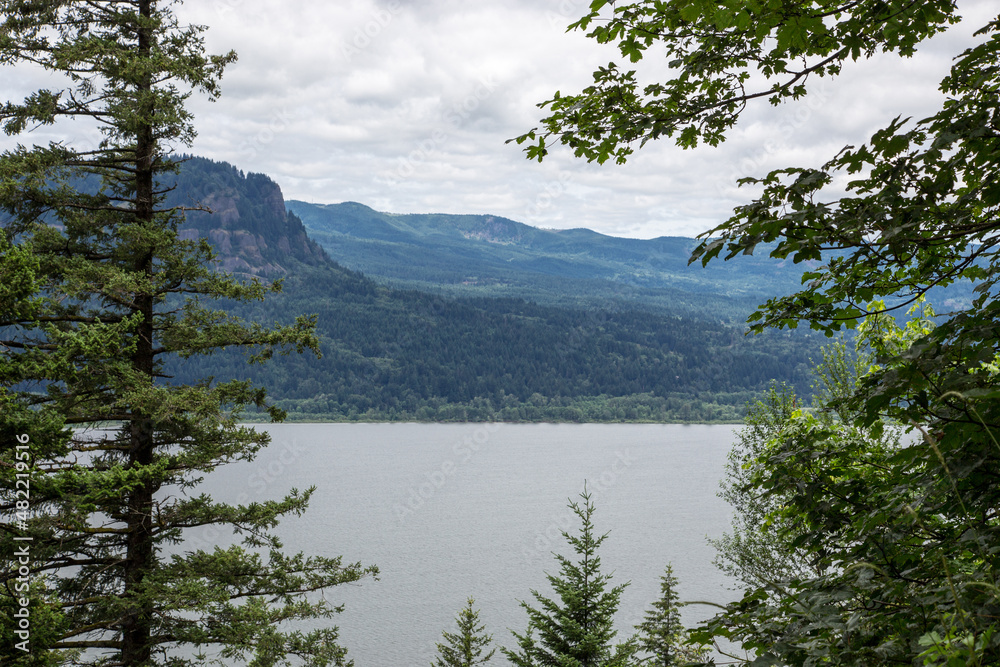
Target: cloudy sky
[405, 105]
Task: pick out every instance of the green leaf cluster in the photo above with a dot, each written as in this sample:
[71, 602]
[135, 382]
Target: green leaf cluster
[881, 504]
[717, 51]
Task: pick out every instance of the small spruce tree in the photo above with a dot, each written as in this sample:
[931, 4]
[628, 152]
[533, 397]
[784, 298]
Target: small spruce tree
[578, 630]
[465, 648]
[662, 635]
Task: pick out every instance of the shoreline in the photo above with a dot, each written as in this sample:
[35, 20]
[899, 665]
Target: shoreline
[321, 420]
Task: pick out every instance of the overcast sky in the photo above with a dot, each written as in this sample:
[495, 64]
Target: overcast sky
[406, 105]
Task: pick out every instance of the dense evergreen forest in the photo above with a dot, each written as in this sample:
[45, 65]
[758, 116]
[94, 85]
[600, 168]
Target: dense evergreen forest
[390, 354]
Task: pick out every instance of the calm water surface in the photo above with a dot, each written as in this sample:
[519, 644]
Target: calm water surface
[449, 511]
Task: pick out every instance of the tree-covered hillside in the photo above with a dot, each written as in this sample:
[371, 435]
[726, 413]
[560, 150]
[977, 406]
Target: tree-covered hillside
[392, 354]
[484, 255]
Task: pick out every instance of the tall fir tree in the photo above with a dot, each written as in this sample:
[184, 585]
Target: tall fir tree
[465, 648]
[578, 629]
[100, 452]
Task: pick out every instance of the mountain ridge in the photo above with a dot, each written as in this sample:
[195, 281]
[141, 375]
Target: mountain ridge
[489, 255]
[393, 354]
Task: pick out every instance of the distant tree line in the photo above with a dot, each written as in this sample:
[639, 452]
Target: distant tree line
[410, 355]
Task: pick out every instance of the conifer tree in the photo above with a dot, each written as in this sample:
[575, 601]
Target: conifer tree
[578, 629]
[662, 635]
[465, 648]
[100, 452]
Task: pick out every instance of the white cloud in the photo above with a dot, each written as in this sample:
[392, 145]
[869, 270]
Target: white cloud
[406, 105]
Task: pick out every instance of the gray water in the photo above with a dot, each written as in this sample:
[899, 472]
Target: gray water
[449, 511]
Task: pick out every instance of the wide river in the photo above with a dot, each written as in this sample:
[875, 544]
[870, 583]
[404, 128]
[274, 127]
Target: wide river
[449, 511]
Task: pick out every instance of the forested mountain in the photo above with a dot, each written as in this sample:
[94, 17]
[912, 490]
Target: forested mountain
[487, 255]
[394, 354]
